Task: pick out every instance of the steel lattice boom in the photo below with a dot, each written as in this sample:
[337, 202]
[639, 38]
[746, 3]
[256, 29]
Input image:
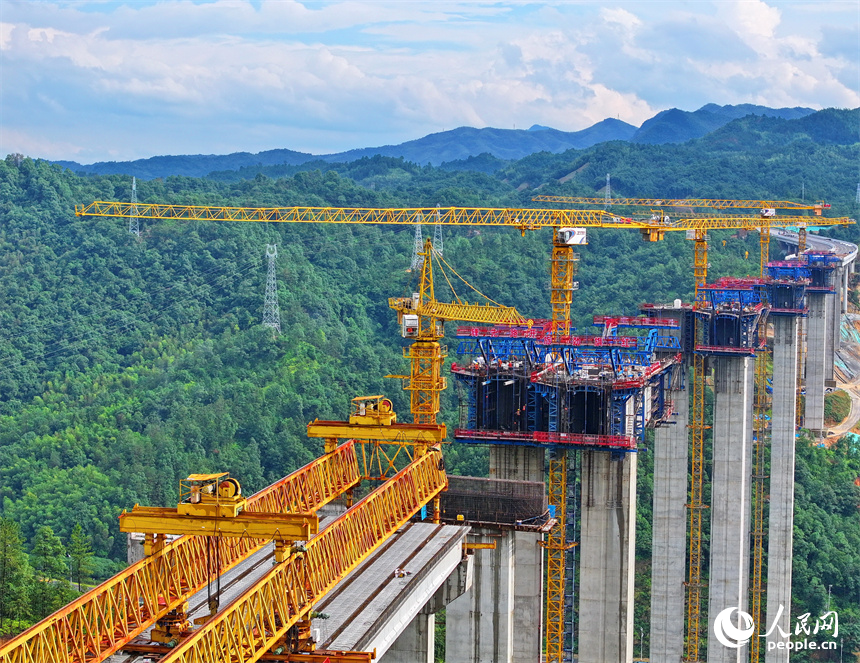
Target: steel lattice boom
[685, 202]
[256, 621]
[522, 219]
[104, 619]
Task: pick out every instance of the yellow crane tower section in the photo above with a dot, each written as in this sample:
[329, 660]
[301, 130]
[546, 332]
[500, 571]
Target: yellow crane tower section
[421, 318]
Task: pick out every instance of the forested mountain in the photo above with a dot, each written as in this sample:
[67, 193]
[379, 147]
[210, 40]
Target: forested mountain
[126, 364]
[456, 147]
[677, 126]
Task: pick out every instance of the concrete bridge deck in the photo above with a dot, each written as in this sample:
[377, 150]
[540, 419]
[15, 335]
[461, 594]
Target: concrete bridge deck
[369, 609]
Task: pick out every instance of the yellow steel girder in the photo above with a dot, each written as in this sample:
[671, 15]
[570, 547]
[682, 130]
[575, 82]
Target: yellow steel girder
[100, 622]
[256, 621]
[165, 520]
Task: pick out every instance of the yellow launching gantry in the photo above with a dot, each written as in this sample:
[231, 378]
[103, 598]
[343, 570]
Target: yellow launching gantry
[212, 505]
[373, 425]
[372, 419]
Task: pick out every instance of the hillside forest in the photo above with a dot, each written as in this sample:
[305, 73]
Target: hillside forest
[126, 363]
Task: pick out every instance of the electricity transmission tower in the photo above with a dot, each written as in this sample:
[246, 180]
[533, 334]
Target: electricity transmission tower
[418, 242]
[271, 310]
[133, 223]
[608, 195]
[417, 246]
[437, 233]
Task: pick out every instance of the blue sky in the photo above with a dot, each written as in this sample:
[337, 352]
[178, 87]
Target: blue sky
[91, 81]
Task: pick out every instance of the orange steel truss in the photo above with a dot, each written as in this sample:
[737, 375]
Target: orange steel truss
[104, 619]
[258, 620]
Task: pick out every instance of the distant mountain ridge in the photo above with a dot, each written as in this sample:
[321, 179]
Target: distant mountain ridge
[457, 148]
[677, 126]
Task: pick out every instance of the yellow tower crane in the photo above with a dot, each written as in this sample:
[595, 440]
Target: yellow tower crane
[421, 318]
[562, 272]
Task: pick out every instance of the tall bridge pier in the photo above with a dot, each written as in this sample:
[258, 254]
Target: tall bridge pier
[592, 395]
[728, 580]
[820, 343]
[608, 547]
[669, 519]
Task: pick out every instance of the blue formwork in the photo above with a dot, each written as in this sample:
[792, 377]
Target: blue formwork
[468, 386]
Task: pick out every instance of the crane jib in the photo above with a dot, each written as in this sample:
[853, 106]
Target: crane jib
[523, 219]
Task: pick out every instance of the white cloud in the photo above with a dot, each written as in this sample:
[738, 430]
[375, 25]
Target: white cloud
[180, 76]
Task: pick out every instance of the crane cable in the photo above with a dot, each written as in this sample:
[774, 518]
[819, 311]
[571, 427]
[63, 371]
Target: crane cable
[454, 271]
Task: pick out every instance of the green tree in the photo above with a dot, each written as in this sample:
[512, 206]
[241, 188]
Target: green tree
[49, 589]
[14, 577]
[80, 556]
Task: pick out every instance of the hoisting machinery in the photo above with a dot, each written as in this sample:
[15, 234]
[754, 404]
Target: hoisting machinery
[562, 271]
[696, 505]
[155, 591]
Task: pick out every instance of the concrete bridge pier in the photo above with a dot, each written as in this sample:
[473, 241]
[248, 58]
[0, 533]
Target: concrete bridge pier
[781, 509]
[669, 529]
[834, 335]
[501, 619]
[728, 584]
[479, 626]
[816, 359]
[606, 560]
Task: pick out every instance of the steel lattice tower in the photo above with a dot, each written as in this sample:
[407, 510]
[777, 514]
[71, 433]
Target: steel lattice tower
[608, 195]
[417, 246]
[133, 223]
[437, 233]
[271, 310]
